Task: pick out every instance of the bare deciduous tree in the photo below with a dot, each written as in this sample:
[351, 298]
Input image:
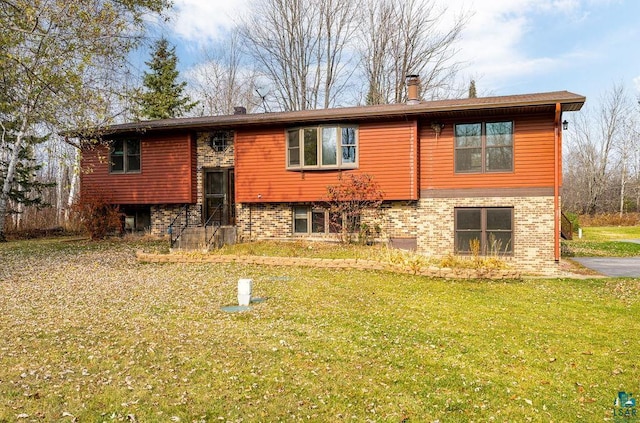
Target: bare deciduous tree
[591, 148]
[407, 37]
[221, 82]
[299, 47]
[54, 57]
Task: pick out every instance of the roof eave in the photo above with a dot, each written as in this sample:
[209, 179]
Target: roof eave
[568, 101]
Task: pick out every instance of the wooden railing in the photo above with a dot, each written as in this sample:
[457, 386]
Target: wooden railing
[566, 227]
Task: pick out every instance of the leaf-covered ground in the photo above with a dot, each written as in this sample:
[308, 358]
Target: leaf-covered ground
[89, 334]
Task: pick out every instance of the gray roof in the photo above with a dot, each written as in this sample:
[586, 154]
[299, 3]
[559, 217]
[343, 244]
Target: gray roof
[438, 108]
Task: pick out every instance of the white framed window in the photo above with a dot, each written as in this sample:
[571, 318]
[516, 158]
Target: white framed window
[322, 147]
[220, 140]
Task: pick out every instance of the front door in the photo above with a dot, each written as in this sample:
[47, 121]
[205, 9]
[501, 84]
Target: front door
[219, 196]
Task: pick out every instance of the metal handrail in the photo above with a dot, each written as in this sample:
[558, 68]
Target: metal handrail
[177, 228]
[172, 225]
[208, 239]
[182, 221]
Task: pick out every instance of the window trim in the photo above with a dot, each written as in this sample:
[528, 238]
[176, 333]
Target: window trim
[339, 145]
[221, 140]
[125, 156]
[483, 148]
[484, 247]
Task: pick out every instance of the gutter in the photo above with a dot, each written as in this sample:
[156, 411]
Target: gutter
[556, 182]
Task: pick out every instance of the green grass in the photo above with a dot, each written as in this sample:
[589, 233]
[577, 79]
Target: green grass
[328, 250]
[605, 241]
[611, 233]
[89, 332]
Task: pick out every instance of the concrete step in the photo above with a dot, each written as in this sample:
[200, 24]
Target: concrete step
[194, 238]
[226, 235]
[191, 239]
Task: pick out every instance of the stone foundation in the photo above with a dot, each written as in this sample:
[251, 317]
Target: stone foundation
[431, 222]
[533, 239]
[428, 223]
[262, 221]
[163, 214]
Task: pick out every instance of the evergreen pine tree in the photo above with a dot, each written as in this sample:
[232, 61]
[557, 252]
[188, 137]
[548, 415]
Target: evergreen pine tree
[163, 96]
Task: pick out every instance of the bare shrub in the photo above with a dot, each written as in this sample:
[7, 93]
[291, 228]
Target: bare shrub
[610, 219]
[98, 216]
[348, 200]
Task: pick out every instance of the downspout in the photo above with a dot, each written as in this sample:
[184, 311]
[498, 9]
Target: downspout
[556, 182]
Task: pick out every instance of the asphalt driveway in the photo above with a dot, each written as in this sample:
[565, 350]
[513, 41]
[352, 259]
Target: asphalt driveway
[612, 266]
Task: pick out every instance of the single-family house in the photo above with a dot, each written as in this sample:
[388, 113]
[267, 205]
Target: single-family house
[451, 171]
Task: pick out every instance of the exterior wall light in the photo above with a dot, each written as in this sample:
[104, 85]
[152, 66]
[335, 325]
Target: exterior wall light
[437, 127]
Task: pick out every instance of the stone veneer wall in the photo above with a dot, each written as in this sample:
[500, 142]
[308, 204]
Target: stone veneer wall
[400, 219]
[207, 157]
[257, 221]
[275, 220]
[431, 220]
[163, 214]
[533, 240]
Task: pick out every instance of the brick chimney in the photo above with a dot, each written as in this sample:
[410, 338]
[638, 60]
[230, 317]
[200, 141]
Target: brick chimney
[239, 110]
[413, 89]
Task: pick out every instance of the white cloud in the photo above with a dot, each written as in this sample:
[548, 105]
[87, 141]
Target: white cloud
[636, 82]
[492, 43]
[202, 21]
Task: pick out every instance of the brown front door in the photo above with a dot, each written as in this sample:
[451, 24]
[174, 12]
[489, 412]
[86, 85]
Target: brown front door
[219, 196]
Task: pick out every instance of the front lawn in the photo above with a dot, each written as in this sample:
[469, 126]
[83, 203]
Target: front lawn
[604, 241]
[90, 334]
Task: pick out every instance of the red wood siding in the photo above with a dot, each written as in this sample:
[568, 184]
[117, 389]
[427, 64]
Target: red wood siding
[167, 174]
[533, 156]
[387, 150]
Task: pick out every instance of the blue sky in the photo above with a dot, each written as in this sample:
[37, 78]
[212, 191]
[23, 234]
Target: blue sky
[508, 46]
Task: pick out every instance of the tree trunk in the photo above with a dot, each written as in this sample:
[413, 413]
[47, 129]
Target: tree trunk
[73, 184]
[8, 180]
[59, 191]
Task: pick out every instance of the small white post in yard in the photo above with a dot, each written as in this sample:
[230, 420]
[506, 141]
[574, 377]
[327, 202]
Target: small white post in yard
[580, 233]
[244, 291]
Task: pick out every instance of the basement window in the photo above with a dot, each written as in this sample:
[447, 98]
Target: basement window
[309, 220]
[322, 147]
[484, 230]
